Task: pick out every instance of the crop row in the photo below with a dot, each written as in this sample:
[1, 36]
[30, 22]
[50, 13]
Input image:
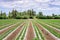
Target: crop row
[53, 23]
[39, 35]
[6, 23]
[3, 35]
[50, 29]
[39, 30]
[21, 35]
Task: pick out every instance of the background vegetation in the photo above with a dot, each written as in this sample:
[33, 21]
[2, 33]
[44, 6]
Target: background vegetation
[26, 15]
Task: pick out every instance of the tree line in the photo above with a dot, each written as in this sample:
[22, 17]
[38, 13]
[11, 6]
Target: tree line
[29, 14]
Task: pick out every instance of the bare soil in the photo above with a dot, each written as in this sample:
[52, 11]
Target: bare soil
[46, 34]
[30, 33]
[15, 33]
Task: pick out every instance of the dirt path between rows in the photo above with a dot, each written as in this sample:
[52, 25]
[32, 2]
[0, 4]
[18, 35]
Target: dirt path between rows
[2, 31]
[46, 34]
[30, 33]
[15, 33]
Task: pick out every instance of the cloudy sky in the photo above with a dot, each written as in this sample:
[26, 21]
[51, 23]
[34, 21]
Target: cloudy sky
[46, 6]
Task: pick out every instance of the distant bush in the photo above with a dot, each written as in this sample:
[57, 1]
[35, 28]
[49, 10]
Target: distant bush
[18, 17]
[41, 17]
[57, 17]
[2, 17]
[49, 17]
[25, 17]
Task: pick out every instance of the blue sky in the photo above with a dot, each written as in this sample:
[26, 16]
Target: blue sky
[46, 6]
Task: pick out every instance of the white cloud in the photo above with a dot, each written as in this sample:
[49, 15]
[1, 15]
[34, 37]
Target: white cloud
[11, 4]
[26, 4]
[56, 3]
[38, 5]
[17, 4]
[42, 0]
[50, 9]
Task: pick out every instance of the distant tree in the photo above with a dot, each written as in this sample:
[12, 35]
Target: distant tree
[10, 15]
[40, 14]
[4, 15]
[49, 17]
[1, 15]
[27, 14]
[57, 17]
[14, 13]
[33, 13]
[53, 14]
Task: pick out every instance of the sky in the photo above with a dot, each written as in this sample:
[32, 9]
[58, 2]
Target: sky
[46, 6]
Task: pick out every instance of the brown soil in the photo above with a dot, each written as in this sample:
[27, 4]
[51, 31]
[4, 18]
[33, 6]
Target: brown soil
[30, 33]
[6, 29]
[46, 34]
[14, 34]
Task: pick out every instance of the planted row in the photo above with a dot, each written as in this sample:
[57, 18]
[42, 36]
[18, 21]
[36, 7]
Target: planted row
[3, 35]
[50, 29]
[21, 35]
[39, 35]
[8, 23]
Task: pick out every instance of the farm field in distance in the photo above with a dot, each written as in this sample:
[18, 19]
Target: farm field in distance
[29, 29]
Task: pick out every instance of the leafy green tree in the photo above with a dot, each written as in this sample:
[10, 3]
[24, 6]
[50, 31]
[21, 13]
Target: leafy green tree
[14, 13]
[1, 15]
[33, 13]
[40, 14]
[10, 15]
[4, 15]
[53, 14]
[49, 17]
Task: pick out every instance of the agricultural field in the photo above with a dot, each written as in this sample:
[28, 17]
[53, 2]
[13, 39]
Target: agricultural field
[29, 29]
